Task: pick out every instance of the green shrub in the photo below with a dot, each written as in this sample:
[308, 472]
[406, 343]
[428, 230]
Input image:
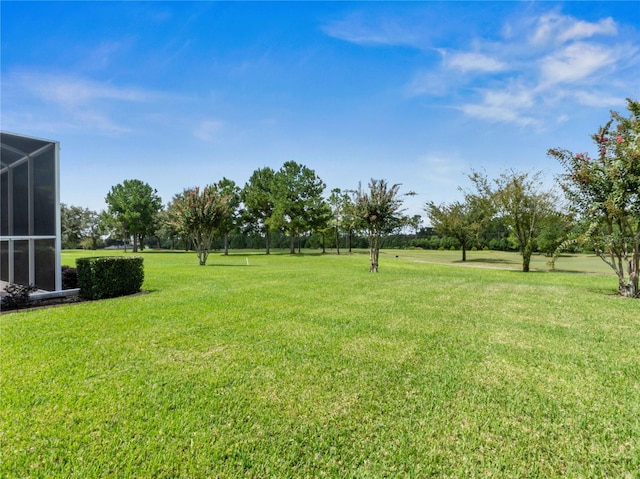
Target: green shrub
[110, 276]
[17, 296]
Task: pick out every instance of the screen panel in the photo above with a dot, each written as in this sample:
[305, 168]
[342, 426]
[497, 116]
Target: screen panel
[45, 264]
[4, 261]
[4, 204]
[44, 194]
[21, 262]
[21, 200]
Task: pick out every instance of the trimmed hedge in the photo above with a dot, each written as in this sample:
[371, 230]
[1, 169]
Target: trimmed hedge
[109, 276]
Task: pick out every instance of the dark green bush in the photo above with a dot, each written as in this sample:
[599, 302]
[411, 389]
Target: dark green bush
[109, 276]
[69, 277]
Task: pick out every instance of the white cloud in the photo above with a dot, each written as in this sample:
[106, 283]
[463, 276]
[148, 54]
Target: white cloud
[359, 29]
[581, 29]
[466, 62]
[443, 168]
[75, 91]
[208, 130]
[77, 102]
[599, 99]
[554, 27]
[503, 106]
[428, 83]
[541, 64]
[575, 62]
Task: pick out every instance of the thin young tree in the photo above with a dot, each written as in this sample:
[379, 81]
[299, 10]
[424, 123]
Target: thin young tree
[336, 202]
[523, 202]
[464, 221]
[379, 212]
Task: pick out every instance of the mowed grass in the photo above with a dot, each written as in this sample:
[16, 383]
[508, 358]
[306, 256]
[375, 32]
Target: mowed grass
[309, 366]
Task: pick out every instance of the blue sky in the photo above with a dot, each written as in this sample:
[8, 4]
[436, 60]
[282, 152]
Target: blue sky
[181, 94]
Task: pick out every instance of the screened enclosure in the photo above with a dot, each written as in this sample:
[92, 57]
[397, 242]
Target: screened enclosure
[30, 212]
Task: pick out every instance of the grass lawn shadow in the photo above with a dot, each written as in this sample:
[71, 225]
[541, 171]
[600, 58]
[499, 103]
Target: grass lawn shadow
[487, 261]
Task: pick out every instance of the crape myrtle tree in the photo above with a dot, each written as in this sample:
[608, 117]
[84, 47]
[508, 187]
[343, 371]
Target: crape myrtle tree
[197, 214]
[134, 205]
[605, 192]
[298, 203]
[521, 200]
[379, 213]
[258, 199]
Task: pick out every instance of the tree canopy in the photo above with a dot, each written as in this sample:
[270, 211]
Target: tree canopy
[259, 203]
[134, 206]
[522, 201]
[299, 205]
[463, 221]
[228, 188]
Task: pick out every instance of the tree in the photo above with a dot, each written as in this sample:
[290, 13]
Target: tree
[462, 221]
[350, 220]
[555, 231]
[298, 203]
[75, 224]
[134, 206]
[605, 192]
[522, 202]
[337, 204]
[166, 233]
[93, 232]
[258, 199]
[198, 216]
[415, 222]
[379, 213]
[228, 189]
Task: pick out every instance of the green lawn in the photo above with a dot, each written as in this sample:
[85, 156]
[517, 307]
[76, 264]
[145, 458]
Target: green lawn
[309, 366]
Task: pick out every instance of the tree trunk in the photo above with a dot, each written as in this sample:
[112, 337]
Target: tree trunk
[292, 248]
[526, 258]
[464, 253]
[266, 239]
[135, 243]
[374, 253]
[226, 243]
[337, 241]
[373, 258]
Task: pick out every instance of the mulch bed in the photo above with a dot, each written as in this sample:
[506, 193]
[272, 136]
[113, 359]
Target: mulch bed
[52, 302]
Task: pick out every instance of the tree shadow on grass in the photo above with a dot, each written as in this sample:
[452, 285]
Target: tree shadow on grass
[488, 261]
